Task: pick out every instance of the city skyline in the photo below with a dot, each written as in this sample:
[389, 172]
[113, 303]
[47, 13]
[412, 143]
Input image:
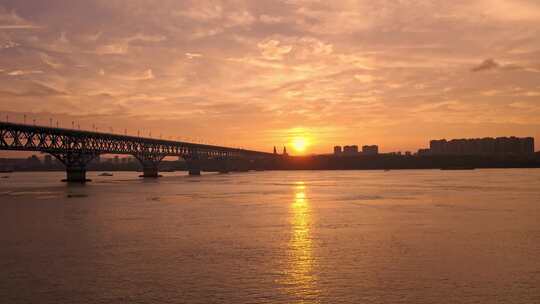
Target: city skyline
[266, 73]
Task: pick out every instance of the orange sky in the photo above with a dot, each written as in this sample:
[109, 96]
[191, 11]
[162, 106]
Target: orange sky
[256, 74]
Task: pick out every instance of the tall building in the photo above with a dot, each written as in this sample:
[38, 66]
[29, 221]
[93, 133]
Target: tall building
[370, 150]
[337, 150]
[350, 150]
[483, 146]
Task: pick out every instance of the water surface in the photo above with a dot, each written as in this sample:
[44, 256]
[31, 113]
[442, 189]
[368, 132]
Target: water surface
[273, 237]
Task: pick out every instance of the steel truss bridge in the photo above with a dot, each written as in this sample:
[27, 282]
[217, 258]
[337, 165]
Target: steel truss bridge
[76, 148]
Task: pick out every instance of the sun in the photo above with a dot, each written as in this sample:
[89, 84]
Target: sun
[300, 144]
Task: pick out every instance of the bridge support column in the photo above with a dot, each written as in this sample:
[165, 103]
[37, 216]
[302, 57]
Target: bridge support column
[76, 175]
[240, 165]
[224, 165]
[194, 163]
[75, 163]
[150, 164]
[150, 171]
[194, 167]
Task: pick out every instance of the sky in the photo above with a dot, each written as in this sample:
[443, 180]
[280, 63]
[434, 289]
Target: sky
[258, 74]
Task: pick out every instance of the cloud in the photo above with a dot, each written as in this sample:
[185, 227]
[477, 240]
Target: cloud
[32, 89]
[8, 44]
[146, 75]
[48, 60]
[18, 27]
[488, 64]
[193, 55]
[242, 18]
[364, 78]
[121, 46]
[510, 10]
[24, 72]
[203, 11]
[270, 19]
[112, 49]
[359, 67]
[272, 50]
[12, 21]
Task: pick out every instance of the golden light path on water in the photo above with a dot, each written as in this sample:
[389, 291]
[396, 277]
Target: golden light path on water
[300, 276]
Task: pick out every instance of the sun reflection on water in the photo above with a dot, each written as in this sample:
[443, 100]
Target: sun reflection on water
[300, 276]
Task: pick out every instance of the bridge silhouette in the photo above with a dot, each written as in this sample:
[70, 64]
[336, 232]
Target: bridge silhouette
[76, 148]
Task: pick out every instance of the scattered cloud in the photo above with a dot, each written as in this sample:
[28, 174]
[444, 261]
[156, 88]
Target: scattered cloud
[488, 64]
[360, 70]
[364, 78]
[193, 55]
[112, 49]
[146, 75]
[8, 44]
[202, 11]
[272, 50]
[12, 21]
[48, 60]
[243, 18]
[121, 46]
[24, 72]
[270, 19]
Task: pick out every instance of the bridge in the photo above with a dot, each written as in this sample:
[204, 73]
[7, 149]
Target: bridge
[76, 148]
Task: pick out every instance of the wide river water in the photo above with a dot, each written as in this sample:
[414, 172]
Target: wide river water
[425, 236]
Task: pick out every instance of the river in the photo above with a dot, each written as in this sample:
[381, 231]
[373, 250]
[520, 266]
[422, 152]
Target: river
[411, 236]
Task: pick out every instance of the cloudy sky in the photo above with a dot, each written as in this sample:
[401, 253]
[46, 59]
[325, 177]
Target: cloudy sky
[258, 73]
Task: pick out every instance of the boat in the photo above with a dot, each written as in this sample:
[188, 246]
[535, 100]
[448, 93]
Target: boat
[106, 174]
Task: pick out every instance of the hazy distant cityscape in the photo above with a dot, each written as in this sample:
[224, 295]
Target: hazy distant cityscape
[471, 152]
[466, 146]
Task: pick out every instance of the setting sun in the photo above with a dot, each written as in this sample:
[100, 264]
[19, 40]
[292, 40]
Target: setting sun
[300, 144]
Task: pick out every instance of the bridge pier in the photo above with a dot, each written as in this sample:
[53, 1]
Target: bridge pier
[150, 164]
[194, 167]
[240, 165]
[224, 165]
[75, 175]
[75, 163]
[194, 163]
[150, 171]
